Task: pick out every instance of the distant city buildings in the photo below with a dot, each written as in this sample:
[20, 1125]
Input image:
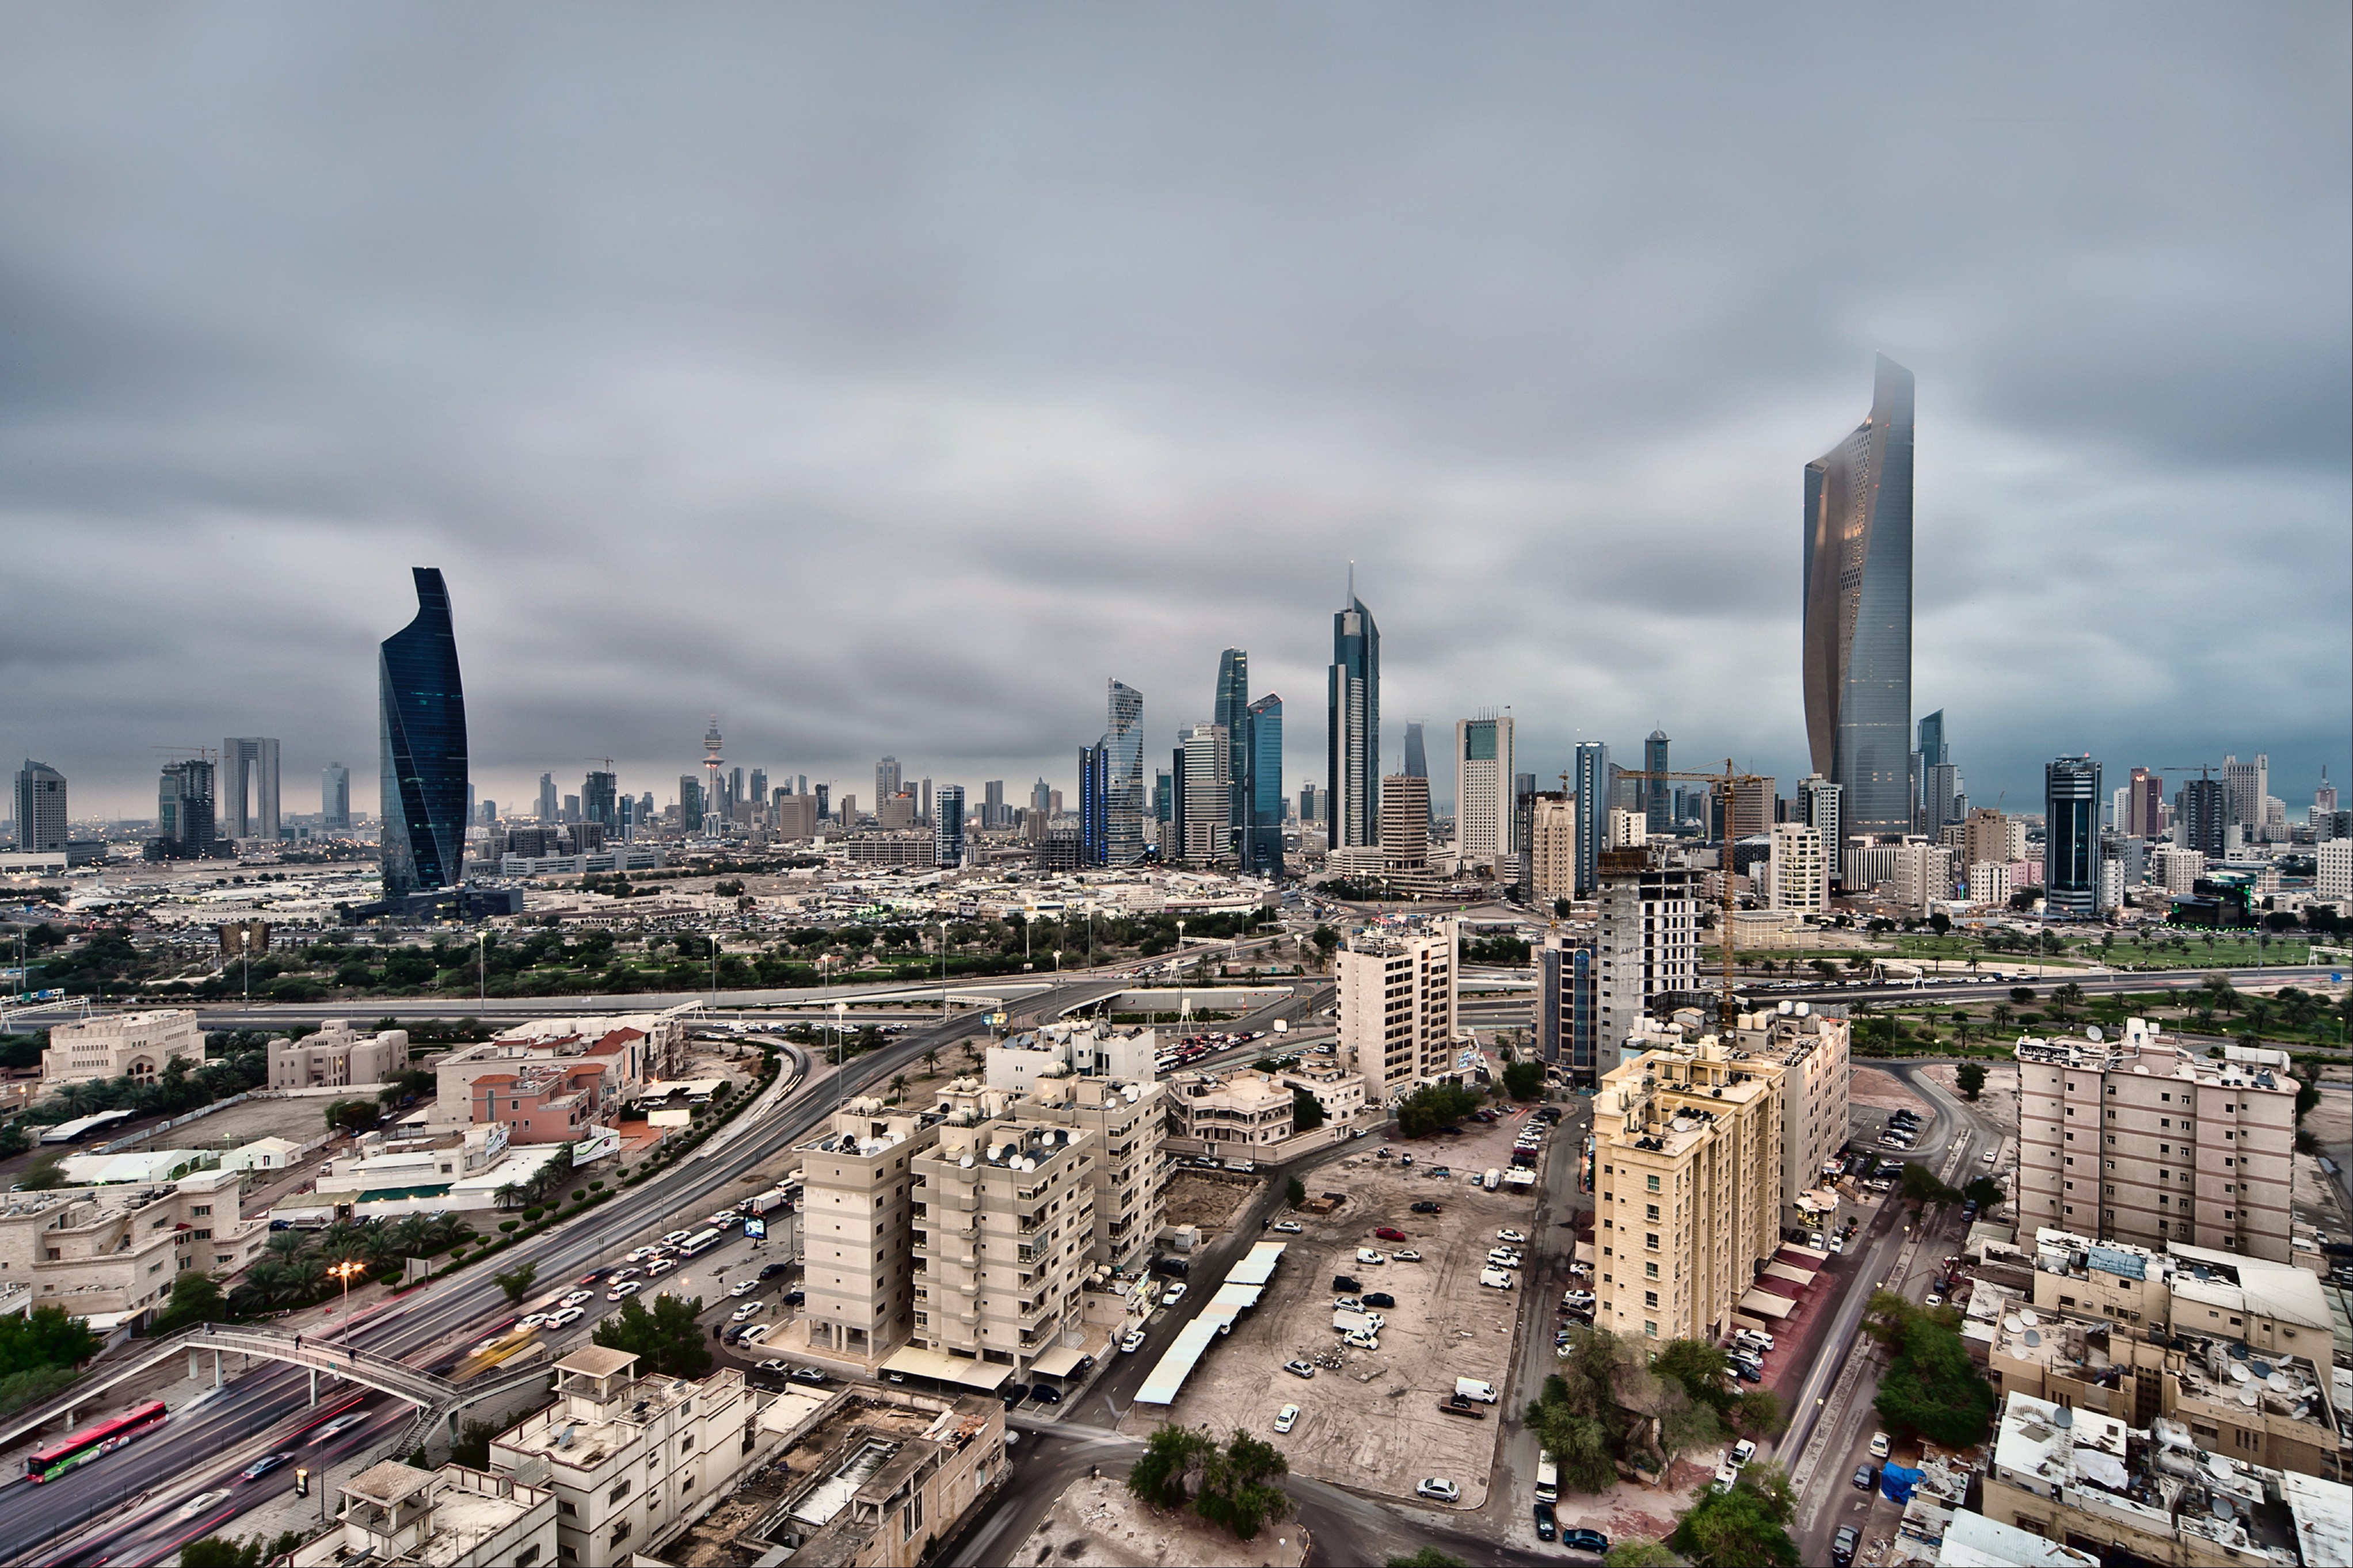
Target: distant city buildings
[1354, 727]
[1121, 816]
[1857, 636]
[947, 827]
[2070, 844]
[1590, 782]
[185, 823]
[1646, 941]
[40, 808]
[422, 705]
[1485, 768]
[248, 779]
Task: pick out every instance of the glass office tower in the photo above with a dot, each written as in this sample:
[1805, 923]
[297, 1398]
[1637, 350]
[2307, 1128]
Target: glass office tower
[1122, 745]
[421, 713]
[1263, 855]
[2070, 844]
[1858, 611]
[1354, 728]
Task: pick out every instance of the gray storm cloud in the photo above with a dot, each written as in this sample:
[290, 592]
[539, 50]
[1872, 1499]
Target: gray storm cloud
[883, 380]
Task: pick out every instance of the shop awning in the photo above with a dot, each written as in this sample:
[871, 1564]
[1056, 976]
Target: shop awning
[1794, 1276]
[1258, 1266]
[1059, 1362]
[1764, 1303]
[919, 1363]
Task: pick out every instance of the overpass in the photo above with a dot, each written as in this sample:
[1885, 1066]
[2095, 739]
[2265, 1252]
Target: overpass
[436, 1397]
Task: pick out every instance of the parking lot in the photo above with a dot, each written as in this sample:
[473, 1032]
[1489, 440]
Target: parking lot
[1372, 1423]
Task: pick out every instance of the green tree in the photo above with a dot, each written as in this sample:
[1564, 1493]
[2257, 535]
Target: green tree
[44, 1175]
[1638, 1551]
[1986, 1192]
[223, 1552]
[1327, 942]
[2068, 995]
[1700, 1367]
[1922, 1186]
[1930, 1386]
[44, 1336]
[516, 1283]
[1162, 1475]
[2021, 995]
[352, 1116]
[1422, 1557]
[1306, 1110]
[1737, 1528]
[1525, 1081]
[1238, 1486]
[1434, 1106]
[195, 1298]
[1971, 1077]
[1294, 1192]
[667, 1340]
[472, 1448]
[1759, 1412]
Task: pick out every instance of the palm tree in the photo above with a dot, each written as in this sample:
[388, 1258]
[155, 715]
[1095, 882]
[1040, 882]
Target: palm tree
[509, 1196]
[287, 1245]
[2001, 1014]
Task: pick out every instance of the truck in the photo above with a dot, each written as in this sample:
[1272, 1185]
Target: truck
[1493, 1179]
[1547, 1479]
[1459, 1405]
[763, 1203]
[1473, 1388]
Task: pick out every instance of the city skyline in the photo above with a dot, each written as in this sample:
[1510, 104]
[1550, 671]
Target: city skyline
[1553, 419]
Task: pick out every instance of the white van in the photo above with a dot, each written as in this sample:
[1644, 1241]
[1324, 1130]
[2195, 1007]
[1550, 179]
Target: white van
[1548, 1480]
[1473, 1388]
[1496, 1278]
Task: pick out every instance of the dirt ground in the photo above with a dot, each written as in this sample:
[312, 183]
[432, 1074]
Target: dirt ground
[296, 1120]
[1872, 1095]
[1096, 1521]
[1996, 1102]
[1373, 1424]
[1197, 1198]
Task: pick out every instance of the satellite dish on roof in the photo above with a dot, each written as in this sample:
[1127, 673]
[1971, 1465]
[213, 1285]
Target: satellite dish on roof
[2239, 1373]
[964, 1164]
[2035, 1339]
[2277, 1383]
[2012, 1323]
[2222, 1508]
[2092, 1032]
[2062, 1417]
[2248, 1396]
[2026, 1316]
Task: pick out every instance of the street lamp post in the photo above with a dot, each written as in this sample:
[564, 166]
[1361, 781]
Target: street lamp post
[482, 967]
[943, 971]
[344, 1271]
[840, 1018]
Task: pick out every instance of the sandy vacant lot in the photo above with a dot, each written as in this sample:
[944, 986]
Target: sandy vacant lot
[1373, 1424]
[1996, 1102]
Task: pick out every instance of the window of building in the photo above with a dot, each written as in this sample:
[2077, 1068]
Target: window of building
[620, 1489]
[1649, 1271]
[1650, 1329]
[620, 1533]
[1651, 1240]
[1652, 1213]
[1649, 1183]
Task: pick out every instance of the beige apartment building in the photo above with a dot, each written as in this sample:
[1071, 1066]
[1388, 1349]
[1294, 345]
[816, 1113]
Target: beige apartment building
[1552, 846]
[454, 1517]
[1797, 870]
[856, 1211]
[2142, 1141]
[122, 1045]
[1398, 1007]
[1005, 1228]
[1341, 1094]
[632, 1459]
[634, 1048]
[1689, 1145]
[111, 1252]
[1236, 1115]
[338, 1057]
[1815, 1056]
[883, 1478]
[1129, 1121]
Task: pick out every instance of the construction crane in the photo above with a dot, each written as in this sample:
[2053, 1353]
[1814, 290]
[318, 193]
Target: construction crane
[1728, 782]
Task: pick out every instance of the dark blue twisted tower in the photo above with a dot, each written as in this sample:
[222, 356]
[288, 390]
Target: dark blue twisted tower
[421, 707]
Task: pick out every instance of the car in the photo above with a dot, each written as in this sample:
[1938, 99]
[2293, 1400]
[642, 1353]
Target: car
[660, 1266]
[1382, 1152]
[1842, 1546]
[1879, 1444]
[1988, 1157]
[1287, 1228]
[1865, 1477]
[732, 1335]
[1174, 1294]
[1347, 1303]
[1504, 1257]
[742, 1287]
[1934, 1300]
[622, 1291]
[1425, 1206]
[1286, 1418]
[1437, 1488]
[1725, 1478]
[1755, 1338]
[1345, 1282]
[1509, 1234]
[620, 1274]
[677, 1239]
[1496, 1279]
[755, 1334]
[1407, 1256]
[1367, 1256]
[1045, 1393]
[1548, 1521]
[1578, 1301]
[1437, 1172]
[264, 1465]
[566, 1318]
[807, 1374]
[1814, 1239]
[722, 1219]
[770, 1270]
[748, 1310]
[1357, 1340]
[1299, 1368]
[795, 1297]
[1741, 1452]
[577, 1297]
[1747, 1371]
[1380, 1299]
[775, 1364]
[644, 1254]
[1389, 1232]
[1584, 1540]
[328, 1431]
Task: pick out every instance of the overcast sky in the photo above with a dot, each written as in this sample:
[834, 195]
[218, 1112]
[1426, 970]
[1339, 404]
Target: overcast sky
[883, 378]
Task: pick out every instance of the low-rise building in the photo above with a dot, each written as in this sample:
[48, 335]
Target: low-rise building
[884, 1478]
[1238, 1113]
[540, 1102]
[338, 1057]
[633, 1048]
[402, 1516]
[109, 1253]
[631, 1461]
[1339, 1093]
[122, 1045]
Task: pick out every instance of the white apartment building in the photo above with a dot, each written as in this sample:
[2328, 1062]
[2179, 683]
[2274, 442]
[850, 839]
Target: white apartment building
[1017, 1065]
[1483, 761]
[1646, 943]
[856, 1227]
[1989, 883]
[1627, 830]
[632, 1459]
[1003, 1240]
[2335, 883]
[1552, 834]
[450, 1518]
[1235, 1113]
[337, 1057]
[1796, 876]
[1923, 876]
[2178, 871]
[1129, 1120]
[1340, 1093]
[2148, 1143]
[1398, 1007]
[122, 1045]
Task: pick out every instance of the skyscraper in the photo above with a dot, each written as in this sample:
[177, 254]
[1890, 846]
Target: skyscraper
[1231, 714]
[249, 782]
[1353, 746]
[421, 707]
[947, 826]
[40, 809]
[2203, 820]
[1858, 611]
[690, 803]
[2248, 783]
[2143, 805]
[1819, 808]
[1122, 745]
[1657, 794]
[550, 808]
[335, 796]
[1484, 766]
[183, 812]
[1205, 760]
[1416, 754]
[1040, 799]
[886, 779]
[1591, 779]
[760, 786]
[2070, 844]
[1263, 854]
[1094, 785]
[715, 782]
[599, 802]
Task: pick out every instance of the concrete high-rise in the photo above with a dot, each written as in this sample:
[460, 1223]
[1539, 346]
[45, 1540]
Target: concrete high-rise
[1646, 941]
[1590, 780]
[1552, 846]
[2071, 842]
[886, 778]
[184, 821]
[1122, 748]
[2144, 813]
[947, 826]
[2248, 784]
[249, 781]
[1485, 767]
[1568, 1007]
[1405, 823]
[1353, 746]
[1819, 808]
[1857, 577]
[40, 809]
[422, 720]
[2203, 821]
[1206, 796]
[1261, 850]
[1397, 1004]
[550, 808]
[336, 796]
[599, 801]
[1657, 794]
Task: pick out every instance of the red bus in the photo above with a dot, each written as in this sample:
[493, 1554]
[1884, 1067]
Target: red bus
[92, 1442]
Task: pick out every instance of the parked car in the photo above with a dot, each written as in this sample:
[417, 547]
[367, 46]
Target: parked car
[1287, 1228]
[1347, 1303]
[1510, 1234]
[1584, 1540]
[807, 1374]
[1547, 1522]
[1879, 1444]
[776, 1364]
[1131, 1342]
[1425, 1206]
[748, 1310]
[1013, 1394]
[755, 1334]
[1389, 1232]
[1286, 1418]
[1747, 1371]
[1842, 1546]
[1357, 1340]
[1865, 1477]
[1345, 1282]
[1407, 1256]
[1366, 1255]
[770, 1270]
[1175, 1294]
[1741, 1452]
[1045, 1393]
[1437, 1488]
[1299, 1368]
[1380, 1299]
[742, 1287]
